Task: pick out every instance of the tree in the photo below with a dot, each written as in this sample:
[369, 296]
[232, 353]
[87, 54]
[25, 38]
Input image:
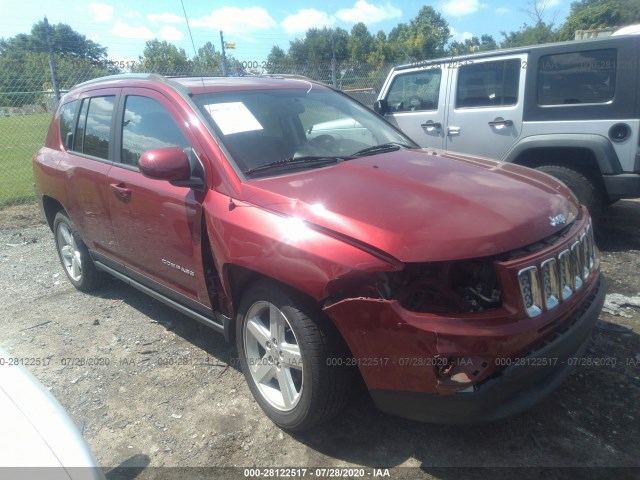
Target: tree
[24, 62]
[207, 60]
[277, 60]
[360, 43]
[163, 57]
[423, 38]
[64, 42]
[474, 44]
[529, 35]
[540, 31]
[318, 46]
[592, 14]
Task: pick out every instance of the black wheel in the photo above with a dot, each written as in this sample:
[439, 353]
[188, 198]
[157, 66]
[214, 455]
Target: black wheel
[582, 187]
[74, 255]
[288, 351]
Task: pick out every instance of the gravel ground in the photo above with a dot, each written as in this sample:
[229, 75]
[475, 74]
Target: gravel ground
[152, 388]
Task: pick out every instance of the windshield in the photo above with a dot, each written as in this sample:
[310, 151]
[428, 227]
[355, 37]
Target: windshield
[285, 127]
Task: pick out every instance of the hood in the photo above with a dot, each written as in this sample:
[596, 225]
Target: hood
[419, 205]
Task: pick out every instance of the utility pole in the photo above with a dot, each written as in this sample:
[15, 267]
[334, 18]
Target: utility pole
[333, 62]
[224, 56]
[52, 62]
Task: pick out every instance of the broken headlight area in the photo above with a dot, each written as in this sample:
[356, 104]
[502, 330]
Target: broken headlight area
[440, 288]
[449, 287]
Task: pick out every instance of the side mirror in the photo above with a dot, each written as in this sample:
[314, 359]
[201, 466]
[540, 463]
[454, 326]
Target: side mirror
[170, 163]
[381, 107]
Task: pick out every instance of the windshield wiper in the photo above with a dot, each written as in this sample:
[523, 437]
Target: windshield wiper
[288, 162]
[385, 147]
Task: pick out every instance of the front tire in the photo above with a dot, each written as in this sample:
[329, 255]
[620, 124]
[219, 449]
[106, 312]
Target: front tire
[287, 348]
[74, 255]
[582, 187]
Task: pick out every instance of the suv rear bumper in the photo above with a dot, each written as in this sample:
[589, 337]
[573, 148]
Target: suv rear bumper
[624, 185]
[518, 387]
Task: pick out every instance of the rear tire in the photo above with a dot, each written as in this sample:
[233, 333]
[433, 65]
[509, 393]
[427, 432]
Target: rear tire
[292, 357]
[74, 255]
[582, 187]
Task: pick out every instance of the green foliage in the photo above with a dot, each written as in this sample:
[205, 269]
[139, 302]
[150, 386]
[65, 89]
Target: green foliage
[20, 137]
[319, 45]
[424, 37]
[360, 43]
[65, 42]
[592, 14]
[24, 63]
[163, 57]
[471, 45]
[276, 59]
[536, 34]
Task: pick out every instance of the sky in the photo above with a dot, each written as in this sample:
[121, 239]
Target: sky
[255, 26]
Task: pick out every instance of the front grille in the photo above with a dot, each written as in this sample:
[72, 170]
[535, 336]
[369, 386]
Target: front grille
[558, 277]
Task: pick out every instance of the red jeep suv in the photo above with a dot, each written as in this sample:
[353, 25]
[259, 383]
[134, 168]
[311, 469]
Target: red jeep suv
[325, 243]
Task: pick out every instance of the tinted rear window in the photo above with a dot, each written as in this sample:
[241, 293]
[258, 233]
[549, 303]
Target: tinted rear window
[577, 77]
[488, 84]
[67, 112]
[93, 132]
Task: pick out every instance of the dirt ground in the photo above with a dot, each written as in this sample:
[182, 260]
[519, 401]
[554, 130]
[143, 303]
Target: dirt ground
[152, 388]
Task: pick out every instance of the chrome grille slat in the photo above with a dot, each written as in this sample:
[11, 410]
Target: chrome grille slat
[557, 277]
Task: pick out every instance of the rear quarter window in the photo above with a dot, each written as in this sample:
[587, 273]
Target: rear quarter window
[586, 77]
[67, 113]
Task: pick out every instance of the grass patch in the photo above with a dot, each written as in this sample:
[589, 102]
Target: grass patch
[20, 137]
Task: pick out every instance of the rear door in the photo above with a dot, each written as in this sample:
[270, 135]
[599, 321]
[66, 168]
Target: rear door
[89, 145]
[416, 102]
[485, 106]
[157, 225]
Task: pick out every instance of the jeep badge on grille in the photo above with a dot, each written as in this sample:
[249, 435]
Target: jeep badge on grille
[557, 220]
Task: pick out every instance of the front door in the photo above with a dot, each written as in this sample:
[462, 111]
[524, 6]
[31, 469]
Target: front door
[416, 105]
[157, 225]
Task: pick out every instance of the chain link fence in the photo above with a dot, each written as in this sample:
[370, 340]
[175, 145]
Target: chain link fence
[28, 100]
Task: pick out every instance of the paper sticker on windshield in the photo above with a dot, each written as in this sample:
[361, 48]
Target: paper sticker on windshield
[233, 117]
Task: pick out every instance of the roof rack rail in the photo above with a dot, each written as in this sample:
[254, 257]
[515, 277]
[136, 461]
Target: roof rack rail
[293, 76]
[119, 76]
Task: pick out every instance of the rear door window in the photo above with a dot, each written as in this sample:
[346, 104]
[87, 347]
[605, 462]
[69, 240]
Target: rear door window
[93, 133]
[488, 84]
[577, 78]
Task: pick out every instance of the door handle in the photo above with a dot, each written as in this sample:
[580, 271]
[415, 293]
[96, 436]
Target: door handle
[121, 191]
[430, 125]
[500, 122]
[453, 131]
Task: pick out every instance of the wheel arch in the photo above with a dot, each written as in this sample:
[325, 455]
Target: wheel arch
[592, 155]
[51, 207]
[589, 162]
[238, 278]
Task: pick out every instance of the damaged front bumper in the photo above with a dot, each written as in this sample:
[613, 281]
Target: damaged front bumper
[463, 370]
